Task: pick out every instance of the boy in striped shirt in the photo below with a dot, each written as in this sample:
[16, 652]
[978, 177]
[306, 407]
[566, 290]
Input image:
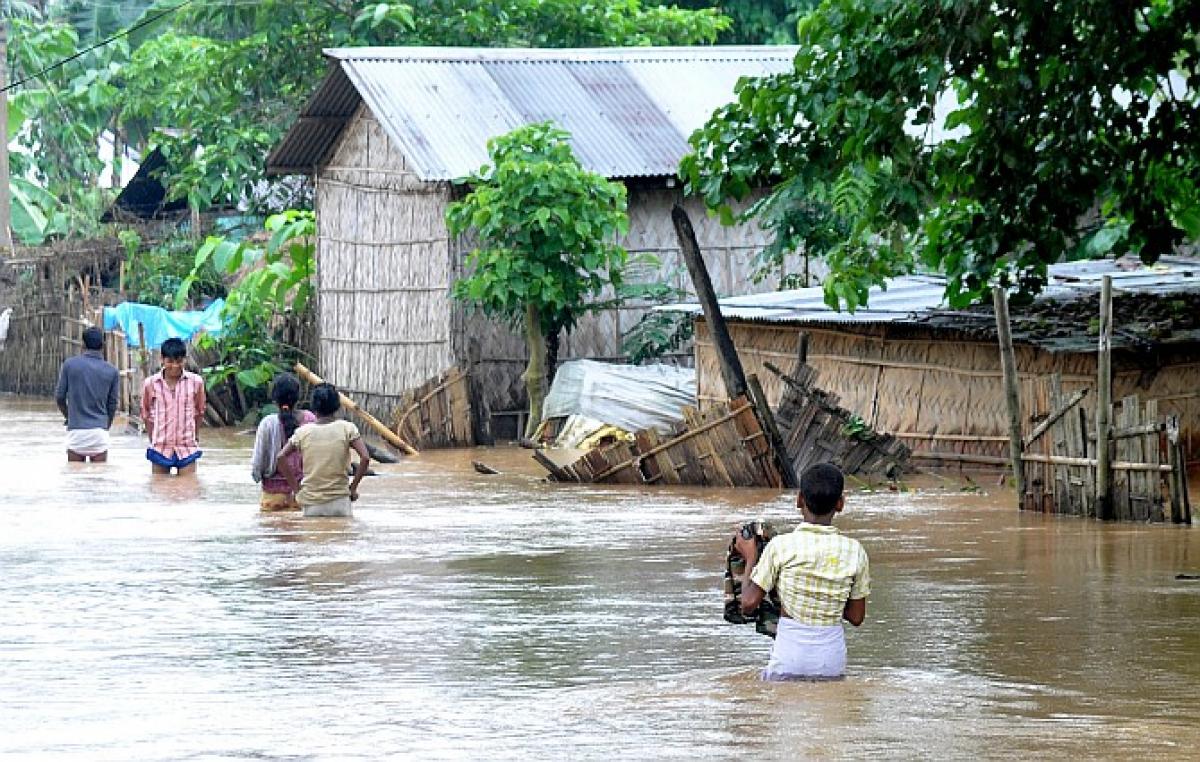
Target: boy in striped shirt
[173, 405]
[821, 576]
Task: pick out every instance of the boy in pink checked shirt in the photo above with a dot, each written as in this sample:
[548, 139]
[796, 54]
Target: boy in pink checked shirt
[173, 405]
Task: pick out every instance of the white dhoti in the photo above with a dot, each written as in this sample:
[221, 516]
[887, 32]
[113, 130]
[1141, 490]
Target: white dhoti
[339, 507]
[87, 441]
[807, 652]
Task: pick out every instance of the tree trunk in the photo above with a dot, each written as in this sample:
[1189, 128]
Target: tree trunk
[535, 371]
[552, 343]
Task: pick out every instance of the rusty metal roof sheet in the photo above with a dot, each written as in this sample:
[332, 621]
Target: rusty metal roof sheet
[629, 110]
[920, 300]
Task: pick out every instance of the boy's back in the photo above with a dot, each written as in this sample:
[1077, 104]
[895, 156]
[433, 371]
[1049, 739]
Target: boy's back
[815, 570]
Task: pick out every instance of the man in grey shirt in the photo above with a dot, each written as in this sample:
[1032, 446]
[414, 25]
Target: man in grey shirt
[87, 397]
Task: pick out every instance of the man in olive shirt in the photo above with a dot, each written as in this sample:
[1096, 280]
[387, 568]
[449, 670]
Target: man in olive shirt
[87, 396]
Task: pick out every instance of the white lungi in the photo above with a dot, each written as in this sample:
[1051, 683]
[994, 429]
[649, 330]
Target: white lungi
[339, 507]
[87, 441]
[806, 652]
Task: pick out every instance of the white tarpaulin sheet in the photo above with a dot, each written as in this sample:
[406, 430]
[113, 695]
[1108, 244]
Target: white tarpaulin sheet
[630, 397]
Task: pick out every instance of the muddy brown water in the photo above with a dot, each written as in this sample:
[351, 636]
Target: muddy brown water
[461, 616]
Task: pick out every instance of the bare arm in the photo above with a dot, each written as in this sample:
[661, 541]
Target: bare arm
[855, 611]
[201, 404]
[147, 408]
[364, 460]
[285, 468]
[752, 594]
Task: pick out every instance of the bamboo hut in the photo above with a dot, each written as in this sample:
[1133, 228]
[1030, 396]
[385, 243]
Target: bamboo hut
[388, 131]
[931, 376]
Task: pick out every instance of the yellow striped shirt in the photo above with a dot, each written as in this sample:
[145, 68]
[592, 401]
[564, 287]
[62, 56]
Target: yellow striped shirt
[816, 570]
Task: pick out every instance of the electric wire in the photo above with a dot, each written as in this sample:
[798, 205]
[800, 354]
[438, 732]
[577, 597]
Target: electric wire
[102, 43]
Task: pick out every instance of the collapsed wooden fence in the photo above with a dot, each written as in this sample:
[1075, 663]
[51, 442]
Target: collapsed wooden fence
[816, 429]
[437, 413]
[723, 446]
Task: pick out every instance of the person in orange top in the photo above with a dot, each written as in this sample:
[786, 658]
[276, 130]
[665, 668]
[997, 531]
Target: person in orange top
[173, 403]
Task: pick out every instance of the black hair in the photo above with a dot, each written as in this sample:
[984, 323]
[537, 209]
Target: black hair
[174, 349]
[93, 338]
[325, 399]
[821, 487]
[285, 392]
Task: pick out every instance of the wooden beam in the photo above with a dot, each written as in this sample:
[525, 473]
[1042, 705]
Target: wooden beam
[1008, 364]
[1120, 465]
[766, 420]
[731, 365]
[1104, 502]
[1053, 418]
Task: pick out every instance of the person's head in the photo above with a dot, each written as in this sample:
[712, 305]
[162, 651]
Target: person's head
[174, 352]
[93, 339]
[821, 488]
[285, 392]
[325, 400]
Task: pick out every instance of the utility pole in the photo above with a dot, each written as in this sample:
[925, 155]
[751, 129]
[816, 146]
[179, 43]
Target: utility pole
[6, 243]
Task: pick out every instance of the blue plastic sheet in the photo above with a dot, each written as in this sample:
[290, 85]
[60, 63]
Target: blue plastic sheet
[161, 324]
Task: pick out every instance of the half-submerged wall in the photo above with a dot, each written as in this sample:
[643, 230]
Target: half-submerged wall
[936, 392]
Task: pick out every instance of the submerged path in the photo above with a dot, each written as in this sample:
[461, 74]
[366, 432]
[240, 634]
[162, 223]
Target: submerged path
[498, 617]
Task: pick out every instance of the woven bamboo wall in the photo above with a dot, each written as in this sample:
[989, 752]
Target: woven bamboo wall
[728, 253]
[383, 269]
[935, 393]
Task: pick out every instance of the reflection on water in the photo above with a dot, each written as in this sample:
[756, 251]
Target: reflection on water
[467, 616]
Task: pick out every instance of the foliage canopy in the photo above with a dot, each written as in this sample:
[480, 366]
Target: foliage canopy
[546, 229]
[982, 139]
[546, 232]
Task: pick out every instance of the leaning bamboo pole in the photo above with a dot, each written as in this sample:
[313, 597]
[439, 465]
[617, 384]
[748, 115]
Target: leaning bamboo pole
[1104, 499]
[383, 431]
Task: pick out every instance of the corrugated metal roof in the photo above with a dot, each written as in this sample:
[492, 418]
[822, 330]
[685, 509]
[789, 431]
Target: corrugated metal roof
[911, 298]
[629, 110]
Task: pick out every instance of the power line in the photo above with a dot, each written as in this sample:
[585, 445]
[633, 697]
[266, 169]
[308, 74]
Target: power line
[100, 44]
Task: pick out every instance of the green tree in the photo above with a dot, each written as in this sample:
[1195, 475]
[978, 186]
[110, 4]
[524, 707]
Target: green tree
[546, 231]
[224, 87]
[982, 139]
[757, 22]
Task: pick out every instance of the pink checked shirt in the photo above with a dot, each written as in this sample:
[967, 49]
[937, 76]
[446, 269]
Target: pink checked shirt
[173, 413]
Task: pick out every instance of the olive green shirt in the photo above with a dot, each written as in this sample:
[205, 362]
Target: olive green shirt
[326, 451]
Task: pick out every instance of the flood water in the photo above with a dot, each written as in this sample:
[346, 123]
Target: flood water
[462, 616]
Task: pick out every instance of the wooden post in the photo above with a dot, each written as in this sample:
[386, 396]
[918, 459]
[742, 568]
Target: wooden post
[1104, 501]
[1177, 470]
[767, 420]
[1008, 363]
[731, 365]
[390, 436]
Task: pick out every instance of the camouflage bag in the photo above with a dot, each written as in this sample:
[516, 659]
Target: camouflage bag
[766, 619]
